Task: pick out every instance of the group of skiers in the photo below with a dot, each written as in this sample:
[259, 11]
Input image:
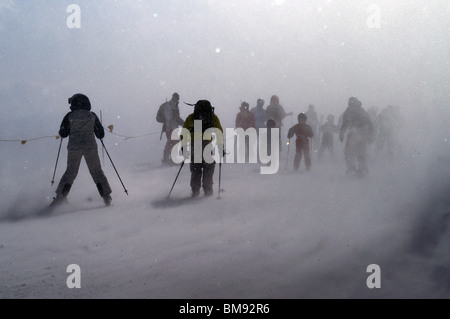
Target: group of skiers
[82, 125]
[356, 125]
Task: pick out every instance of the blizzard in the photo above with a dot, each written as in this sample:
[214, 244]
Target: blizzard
[305, 234]
[288, 235]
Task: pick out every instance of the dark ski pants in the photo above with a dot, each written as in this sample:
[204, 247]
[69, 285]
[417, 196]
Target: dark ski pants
[202, 173]
[327, 144]
[355, 153]
[302, 149]
[202, 176]
[73, 165]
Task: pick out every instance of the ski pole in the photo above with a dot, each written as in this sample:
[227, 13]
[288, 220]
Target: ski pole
[107, 153]
[56, 164]
[176, 178]
[220, 179]
[103, 152]
[287, 158]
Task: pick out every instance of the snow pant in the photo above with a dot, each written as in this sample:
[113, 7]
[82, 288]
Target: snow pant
[327, 144]
[169, 146]
[73, 165]
[302, 148]
[355, 153]
[201, 174]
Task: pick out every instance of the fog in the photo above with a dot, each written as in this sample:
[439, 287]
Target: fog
[289, 235]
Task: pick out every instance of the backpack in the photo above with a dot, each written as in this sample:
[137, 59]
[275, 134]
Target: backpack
[204, 111]
[160, 115]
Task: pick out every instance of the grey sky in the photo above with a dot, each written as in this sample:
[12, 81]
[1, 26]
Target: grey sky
[133, 54]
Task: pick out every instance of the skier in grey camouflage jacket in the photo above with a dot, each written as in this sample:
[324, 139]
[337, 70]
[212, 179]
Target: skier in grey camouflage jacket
[80, 125]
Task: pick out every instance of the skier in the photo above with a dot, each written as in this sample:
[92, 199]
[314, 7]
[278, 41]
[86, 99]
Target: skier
[80, 125]
[245, 120]
[260, 114]
[328, 129]
[276, 112]
[303, 131]
[169, 115]
[389, 125]
[313, 121]
[270, 125]
[360, 134]
[202, 172]
[373, 114]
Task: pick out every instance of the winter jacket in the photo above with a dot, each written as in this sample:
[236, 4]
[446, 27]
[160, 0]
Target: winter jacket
[189, 125]
[260, 117]
[80, 126]
[329, 129]
[172, 117]
[276, 113]
[357, 120]
[245, 119]
[313, 118]
[302, 131]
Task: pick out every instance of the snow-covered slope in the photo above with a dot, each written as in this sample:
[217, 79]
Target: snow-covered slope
[288, 235]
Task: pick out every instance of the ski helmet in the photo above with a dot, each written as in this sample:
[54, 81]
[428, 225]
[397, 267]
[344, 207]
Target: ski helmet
[176, 96]
[79, 102]
[202, 108]
[245, 105]
[204, 111]
[354, 102]
[260, 102]
[271, 124]
[302, 116]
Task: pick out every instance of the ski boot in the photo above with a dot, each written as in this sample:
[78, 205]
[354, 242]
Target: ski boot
[195, 193]
[107, 199]
[58, 200]
[208, 192]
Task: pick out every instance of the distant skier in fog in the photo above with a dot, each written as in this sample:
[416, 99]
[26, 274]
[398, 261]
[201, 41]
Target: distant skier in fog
[260, 114]
[328, 130]
[80, 125]
[303, 132]
[388, 129]
[245, 120]
[169, 115]
[276, 112]
[356, 121]
[270, 124]
[313, 121]
[260, 118]
[373, 114]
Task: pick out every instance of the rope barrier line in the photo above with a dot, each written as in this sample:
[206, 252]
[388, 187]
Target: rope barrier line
[110, 130]
[23, 142]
